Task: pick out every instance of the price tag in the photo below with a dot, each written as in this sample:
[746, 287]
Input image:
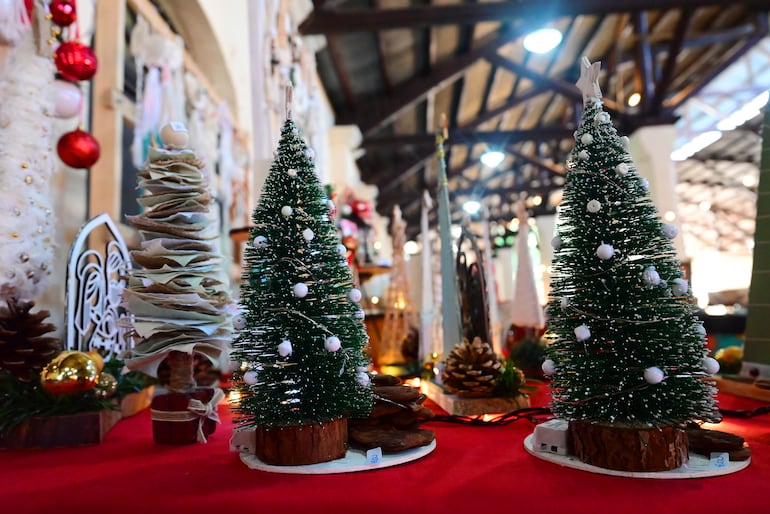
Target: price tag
[719, 460]
[374, 456]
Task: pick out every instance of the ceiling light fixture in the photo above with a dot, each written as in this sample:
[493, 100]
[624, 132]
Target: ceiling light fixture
[542, 40]
[472, 206]
[634, 99]
[492, 158]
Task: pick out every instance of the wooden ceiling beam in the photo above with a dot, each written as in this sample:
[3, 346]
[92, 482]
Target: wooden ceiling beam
[328, 21]
[644, 61]
[727, 58]
[468, 137]
[338, 62]
[667, 75]
[417, 88]
[558, 85]
[404, 172]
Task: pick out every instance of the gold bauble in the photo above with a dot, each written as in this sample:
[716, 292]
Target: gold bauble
[97, 358]
[69, 372]
[106, 385]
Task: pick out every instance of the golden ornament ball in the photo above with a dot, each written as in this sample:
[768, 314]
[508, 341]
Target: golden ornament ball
[69, 372]
[97, 358]
[106, 385]
[175, 135]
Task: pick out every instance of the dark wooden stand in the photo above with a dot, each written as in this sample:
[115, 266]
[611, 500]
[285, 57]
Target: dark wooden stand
[628, 449]
[180, 432]
[58, 431]
[302, 444]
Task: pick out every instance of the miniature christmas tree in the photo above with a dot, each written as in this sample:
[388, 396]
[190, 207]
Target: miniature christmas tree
[628, 352]
[176, 292]
[302, 338]
[400, 317]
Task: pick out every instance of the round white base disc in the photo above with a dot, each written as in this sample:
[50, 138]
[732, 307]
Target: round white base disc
[698, 466]
[353, 461]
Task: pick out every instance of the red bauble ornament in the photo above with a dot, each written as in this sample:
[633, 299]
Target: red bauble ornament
[75, 61]
[63, 12]
[78, 149]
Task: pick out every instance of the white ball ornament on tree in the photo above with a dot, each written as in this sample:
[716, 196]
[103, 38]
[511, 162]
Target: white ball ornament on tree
[250, 377]
[310, 154]
[556, 243]
[650, 276]
[601, 117]
[621, 169]
[654, 375]
[260, 242]
[286, 211]
[624, 141]
[332, 344]
[342, 250]
[605, 251]
[239, 322]
[549, 367]
[583, 155]
[285, 349]
[564, 302]
[710, 365]
[645, 184]
[593, 206]
[291, 172]
[363, 378]
[679, 287]
[670, 231]
[360, 314]
[300, 290]
[68, 99]
[582, 333]
[586, 139]
[701, 330]
[354, 295]
[308, 234]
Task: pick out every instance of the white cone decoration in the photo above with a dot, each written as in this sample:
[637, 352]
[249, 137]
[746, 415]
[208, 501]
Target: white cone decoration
[582, 333]
[308, 234]
[556, 243]
[260, 242]
[587, 139]
[549, 367]
[653, 375]
[605, 251]
[354, 295]
[670, 231]
[285, 349]
[363, 378]
[594, 206]
[300, 290]
[621, 169]
[239, 322]
[650, 276]
[286, 211]
[710, 366]
[679, 287]
[332, 344]
[250, 377]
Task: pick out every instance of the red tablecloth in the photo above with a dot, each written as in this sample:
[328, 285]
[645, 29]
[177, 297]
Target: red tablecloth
[473, 469]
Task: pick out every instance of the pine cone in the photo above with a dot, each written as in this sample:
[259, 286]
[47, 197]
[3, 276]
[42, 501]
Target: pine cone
[24, 348]
[471, 369]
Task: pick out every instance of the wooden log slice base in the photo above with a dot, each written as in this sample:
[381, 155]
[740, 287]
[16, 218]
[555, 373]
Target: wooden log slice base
[628, 449]
[298, 445]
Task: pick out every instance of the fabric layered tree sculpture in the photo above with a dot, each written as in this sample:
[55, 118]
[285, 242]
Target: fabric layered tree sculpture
[177, 289]
[628, 357]
[301, 335]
